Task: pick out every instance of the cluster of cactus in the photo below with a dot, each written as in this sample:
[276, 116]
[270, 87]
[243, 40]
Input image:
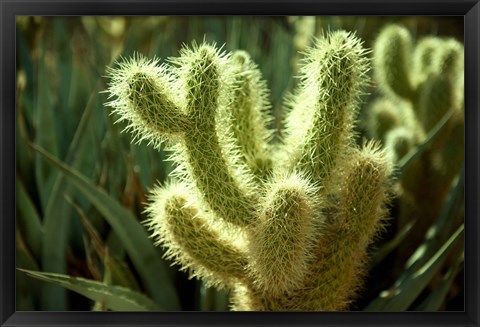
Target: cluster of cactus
[420, 83]
[284, 225]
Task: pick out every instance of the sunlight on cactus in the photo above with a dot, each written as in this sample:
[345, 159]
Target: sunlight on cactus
[285, 225]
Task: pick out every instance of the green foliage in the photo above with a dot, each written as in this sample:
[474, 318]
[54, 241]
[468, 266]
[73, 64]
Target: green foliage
[60, 110]
[111, 297]
[129, 231]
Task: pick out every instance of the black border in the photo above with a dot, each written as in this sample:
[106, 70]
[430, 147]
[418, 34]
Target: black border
[10, 8]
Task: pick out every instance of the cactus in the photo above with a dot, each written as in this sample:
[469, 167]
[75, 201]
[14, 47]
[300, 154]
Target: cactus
[285, 226]
[419, 83]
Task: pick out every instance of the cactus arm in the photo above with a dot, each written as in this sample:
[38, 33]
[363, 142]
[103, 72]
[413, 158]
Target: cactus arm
[383, 116]
[362, 210]
[398, 142]
[225, 188]
[152, 101]
[145, 98]
[190, 240]
[365, 192]
[341, 255]
[392, 62]
[245, 119]
[319, 125]
[282, 242]
[449, 59]
[437, 97]
[423, 58]
[443, 90]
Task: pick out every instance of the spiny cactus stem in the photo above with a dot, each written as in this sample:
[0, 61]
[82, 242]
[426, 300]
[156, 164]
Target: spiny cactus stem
[361, 209]
[286, 233]
[211, 174]
[208, 164]
[333, 75]
[247, 118]
[158, 113]
[393, 60]
[190, 239]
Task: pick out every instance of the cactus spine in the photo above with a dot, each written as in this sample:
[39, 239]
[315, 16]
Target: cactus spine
[286, 227]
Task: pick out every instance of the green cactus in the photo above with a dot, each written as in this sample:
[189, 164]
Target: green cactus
[285, 226]
[392, 60]
[419, 84]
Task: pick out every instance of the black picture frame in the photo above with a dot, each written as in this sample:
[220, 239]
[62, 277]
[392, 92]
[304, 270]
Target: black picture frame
[10, 8]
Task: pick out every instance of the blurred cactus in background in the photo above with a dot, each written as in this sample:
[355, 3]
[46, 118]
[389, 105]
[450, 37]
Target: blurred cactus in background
[286, 227]
[420, 83]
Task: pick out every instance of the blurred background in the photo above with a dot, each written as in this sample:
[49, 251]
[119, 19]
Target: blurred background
[82, 185]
